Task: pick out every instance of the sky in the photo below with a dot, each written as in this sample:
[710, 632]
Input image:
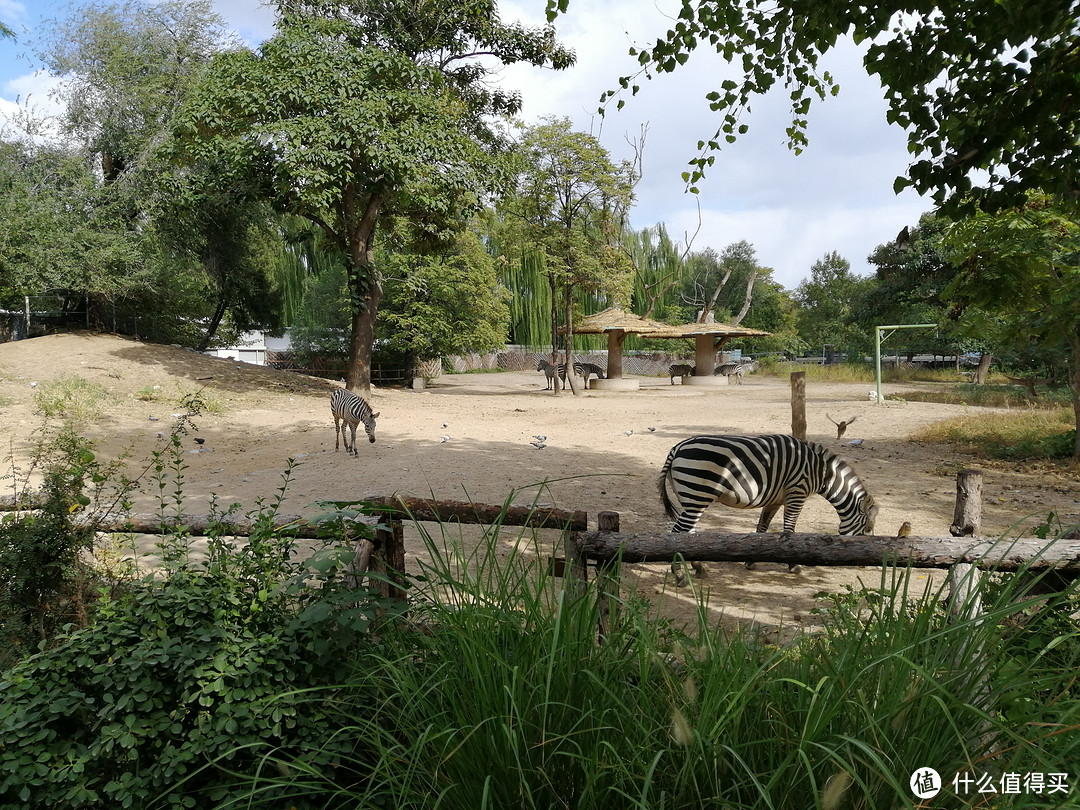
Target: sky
[795, 209]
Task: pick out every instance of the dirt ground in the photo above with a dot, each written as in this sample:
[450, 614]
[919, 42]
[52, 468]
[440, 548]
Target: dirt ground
[468, 437]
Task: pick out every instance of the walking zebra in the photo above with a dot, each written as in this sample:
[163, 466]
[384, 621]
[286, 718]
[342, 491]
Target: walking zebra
[736, 370]
[683, 370]
[349, 410]
[746, 472]
[584, 370]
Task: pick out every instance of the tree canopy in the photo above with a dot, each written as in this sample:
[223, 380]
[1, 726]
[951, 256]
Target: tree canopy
[977, 84]
[355, 111]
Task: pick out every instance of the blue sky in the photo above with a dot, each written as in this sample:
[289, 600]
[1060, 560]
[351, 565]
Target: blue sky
[837, 195]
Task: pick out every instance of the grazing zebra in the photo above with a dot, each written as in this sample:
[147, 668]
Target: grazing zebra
[683, 370]
[584, 370]
[736, 370]
[544, 365]
[767, 471]
[349, 410]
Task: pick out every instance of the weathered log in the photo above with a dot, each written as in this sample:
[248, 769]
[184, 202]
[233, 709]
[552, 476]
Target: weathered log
[199, 525]
[833, 550]
[465, 512]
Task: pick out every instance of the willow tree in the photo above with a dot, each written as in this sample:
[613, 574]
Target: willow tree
[569, 207]
[359, 110]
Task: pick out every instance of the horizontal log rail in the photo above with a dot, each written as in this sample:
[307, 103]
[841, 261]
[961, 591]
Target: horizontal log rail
[399, 507]
[831, 550]
[426, 509]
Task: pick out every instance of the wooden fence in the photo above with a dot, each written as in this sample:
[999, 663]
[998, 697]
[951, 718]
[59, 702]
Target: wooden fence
[605, 545]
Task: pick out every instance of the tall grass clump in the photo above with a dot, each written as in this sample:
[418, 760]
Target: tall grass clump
[71, 398]
[835, 372]
[993, 396]
[1018, 435]
[496, 693]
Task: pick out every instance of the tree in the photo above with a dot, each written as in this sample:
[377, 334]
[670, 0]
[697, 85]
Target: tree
[977, 84]
[723, 281]
[826, 301]
[59, 232]
[128, 66]
[443, 299]
[358, 110]
[569, 207]
[1023, 265]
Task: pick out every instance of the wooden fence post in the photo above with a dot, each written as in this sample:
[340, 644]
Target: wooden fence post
[965, 585]
[607, 577]
[798, 405]
[965, 600]
[391, 559]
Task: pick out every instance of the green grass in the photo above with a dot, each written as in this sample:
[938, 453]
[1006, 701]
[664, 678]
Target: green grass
[72, 398]
[992, 396]
[496, 694]
[1044, 434]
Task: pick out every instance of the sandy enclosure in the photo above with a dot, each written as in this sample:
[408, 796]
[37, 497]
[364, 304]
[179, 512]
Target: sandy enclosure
[468, 437]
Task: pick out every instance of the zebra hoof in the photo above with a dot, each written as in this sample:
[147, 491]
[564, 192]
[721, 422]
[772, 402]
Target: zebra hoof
[795, 569]
[750, 566]
[700, 571]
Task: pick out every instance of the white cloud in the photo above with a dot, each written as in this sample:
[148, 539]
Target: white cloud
[837, 195]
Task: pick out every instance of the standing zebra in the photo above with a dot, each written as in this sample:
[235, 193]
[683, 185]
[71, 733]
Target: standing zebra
[544, 365]
[683, 370]
[736, 370]
[584, 370]
[767, 471]
[349, 410]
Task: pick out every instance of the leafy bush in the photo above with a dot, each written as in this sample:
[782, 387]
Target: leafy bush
[181, 682]
[45, 581]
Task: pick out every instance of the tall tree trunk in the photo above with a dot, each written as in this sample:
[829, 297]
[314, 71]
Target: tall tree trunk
[568, 350]
[983, 368]
[365, 292]
[554, 333]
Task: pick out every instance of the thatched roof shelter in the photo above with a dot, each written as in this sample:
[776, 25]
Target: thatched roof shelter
[616, 324]
[708, 339]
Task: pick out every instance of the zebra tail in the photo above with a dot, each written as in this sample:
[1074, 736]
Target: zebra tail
[665, 499]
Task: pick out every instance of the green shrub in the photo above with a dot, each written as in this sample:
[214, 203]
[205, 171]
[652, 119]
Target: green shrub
[45, 580]
[182, 681]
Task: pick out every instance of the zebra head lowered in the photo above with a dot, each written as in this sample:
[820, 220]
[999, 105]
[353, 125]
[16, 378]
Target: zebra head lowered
[747, 472]
[349, 410]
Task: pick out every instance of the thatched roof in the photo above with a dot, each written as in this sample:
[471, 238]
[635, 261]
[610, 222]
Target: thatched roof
[614, 319]
[693, 330]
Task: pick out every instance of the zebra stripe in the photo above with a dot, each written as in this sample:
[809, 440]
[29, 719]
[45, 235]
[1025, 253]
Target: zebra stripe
[736, 369]
[349, 410]
[584, 370]
[746, 472]
[683, 370]
[544, 365]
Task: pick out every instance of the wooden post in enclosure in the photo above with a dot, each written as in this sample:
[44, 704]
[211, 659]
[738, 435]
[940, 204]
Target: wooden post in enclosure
[798, 405]
[607, 577]
[964, 578]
